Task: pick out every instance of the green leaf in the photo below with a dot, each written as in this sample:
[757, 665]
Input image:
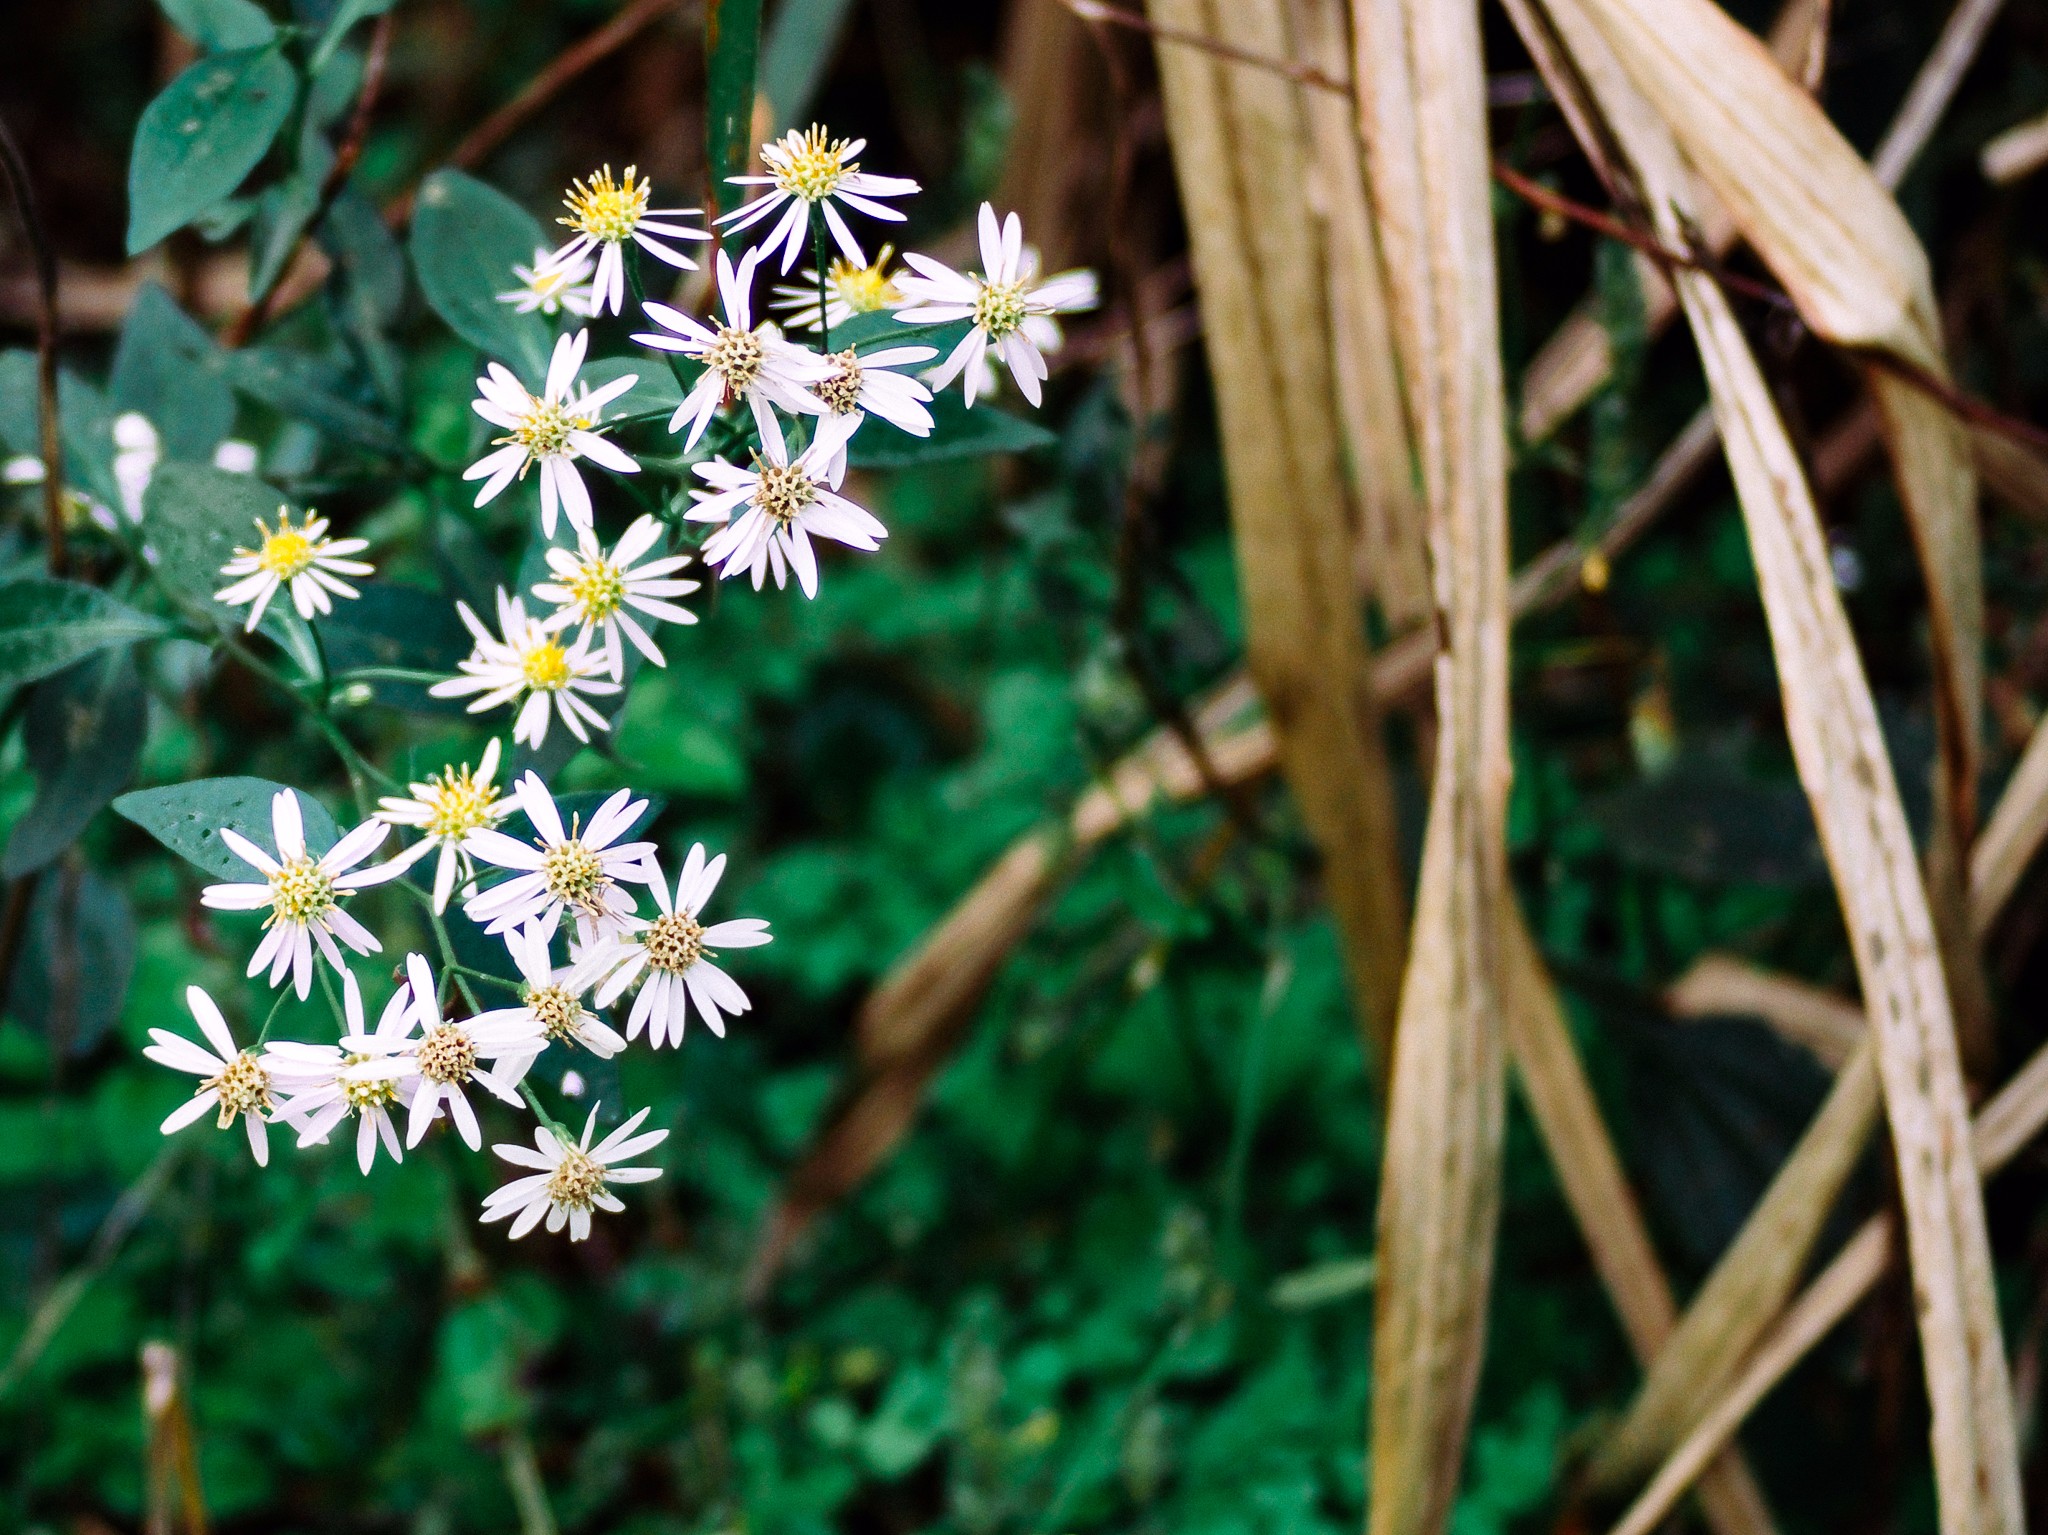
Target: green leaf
[466, 238]
[732, 45]
[957, 432]
[799, 47]
[167, 367]
[187, 818]
[220, 26]
[879, 328]
[367, 286]
[202, 135]
[83, 730]
[284, 209]
[76, 961]
[195, 516]
[656, 389]
[346, 15]
[45, 625]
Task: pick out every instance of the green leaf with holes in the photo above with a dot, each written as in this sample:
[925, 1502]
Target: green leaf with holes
[187, 818]
[466, 238]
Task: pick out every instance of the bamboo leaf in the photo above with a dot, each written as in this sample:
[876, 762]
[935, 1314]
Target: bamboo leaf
[1241, 152]
[1422, 108]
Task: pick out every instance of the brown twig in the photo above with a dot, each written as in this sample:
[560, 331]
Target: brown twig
[252, 319]
[57, 554]
[543, 88]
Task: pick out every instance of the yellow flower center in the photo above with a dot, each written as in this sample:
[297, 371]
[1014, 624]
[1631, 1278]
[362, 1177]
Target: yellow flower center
[544, 430]
[289, 551]
[363, 1096]
[576, 1183]
[546, 667]
[300, 891]
[605, 209]
[547, 282]
[244, 1088]
[783, 492]
[446, 1054]
[808, 165]
[598, 590]
[557, 1011]
[457, 804]
[999, 308]
[572, 872]
[674, 943]
[864, 289]
[736, 356]
[842, 390]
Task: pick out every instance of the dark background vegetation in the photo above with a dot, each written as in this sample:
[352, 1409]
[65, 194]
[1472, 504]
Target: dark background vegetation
[1111, 1279]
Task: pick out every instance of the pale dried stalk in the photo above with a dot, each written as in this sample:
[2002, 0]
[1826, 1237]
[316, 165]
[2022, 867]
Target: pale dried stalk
[1932, 89]
[2011, 1119]
[1422, 114]
[1241, 151]
[1392, 532]
[1759, 142]
[2012, 836]
[2016, 153]
[1561, 1102]
[1828, 1027]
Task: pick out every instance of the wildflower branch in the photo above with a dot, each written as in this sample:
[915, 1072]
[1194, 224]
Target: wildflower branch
[346, 154]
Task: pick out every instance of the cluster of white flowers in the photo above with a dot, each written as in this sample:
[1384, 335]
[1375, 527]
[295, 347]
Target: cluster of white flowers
[759, 388]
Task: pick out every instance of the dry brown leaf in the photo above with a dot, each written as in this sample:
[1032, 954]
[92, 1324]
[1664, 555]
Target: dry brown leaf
[2013, 1117]
[1392, 531]
[1719, 985]
[1560, 1100]
[1241, 150]
[1422, 109]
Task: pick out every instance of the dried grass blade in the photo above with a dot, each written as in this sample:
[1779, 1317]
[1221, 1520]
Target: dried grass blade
[2012, 836]
[1241, 153]
[1422, 107]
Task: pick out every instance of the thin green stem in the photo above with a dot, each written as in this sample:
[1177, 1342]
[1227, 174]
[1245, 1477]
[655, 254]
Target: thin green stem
[333, 1001]
[824, 293]
[636, 285]
[540, 1112]
[263, 1038]
[388, 674]
[483, 975]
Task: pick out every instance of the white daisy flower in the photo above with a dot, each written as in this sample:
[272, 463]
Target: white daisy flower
[850, 289]
[442, 1059]
[999, 300]
[571, 1179]
[864, 385]
[303, 894]
[235, 456]
[740, 361]
[551, 1001]
[529, 660]
[597, 590]
[327, 1083]
[605, 214]
[232, 1080]
[446, 808]
[549, 289]
[301, 558]
[671, 956]
[782, 504]
[552, 429]
[576, 868]
[808, 170]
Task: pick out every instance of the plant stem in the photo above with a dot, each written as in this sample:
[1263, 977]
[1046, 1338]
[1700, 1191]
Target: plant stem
[824, 292]
[263, 1038]
[636, 284]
